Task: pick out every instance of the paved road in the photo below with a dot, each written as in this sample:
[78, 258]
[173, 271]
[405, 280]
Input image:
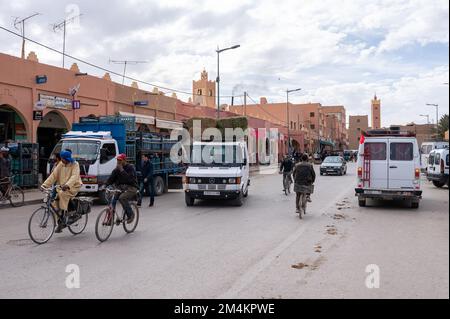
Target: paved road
[220, 251]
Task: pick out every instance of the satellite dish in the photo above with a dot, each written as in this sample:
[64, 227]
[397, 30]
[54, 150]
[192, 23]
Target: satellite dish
[73, 91]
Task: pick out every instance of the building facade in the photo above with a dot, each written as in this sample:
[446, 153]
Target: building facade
[357, 125]
[204, 91]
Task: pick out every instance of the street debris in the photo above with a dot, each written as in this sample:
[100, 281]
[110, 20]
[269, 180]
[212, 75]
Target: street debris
[331, 230]
[300, 266]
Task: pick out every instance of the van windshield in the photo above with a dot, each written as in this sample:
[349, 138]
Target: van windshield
[84, 151]
[217, 155]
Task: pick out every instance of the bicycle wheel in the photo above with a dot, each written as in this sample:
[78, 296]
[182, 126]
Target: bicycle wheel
[17, 197]
[130, 228]
[104, 225]
[286, 186]
[80, 225]
[41, 226]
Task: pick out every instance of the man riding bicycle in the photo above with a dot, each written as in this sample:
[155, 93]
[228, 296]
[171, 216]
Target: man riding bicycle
[304, 178]
[286, 168]
[124, 178]
[67, 175]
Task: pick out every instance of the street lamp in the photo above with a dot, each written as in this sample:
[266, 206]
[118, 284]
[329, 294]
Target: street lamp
[218, 74]
[287, 116]
[427, 116]
[437, 113]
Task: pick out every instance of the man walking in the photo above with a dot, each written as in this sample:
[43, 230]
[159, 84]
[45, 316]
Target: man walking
[147, 183]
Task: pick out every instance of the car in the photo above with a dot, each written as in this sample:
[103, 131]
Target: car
[389, 167]
[438, 167]
[334, 165]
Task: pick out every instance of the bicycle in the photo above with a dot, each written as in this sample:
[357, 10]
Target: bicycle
[14, 194]
[44, 220]
[287, 183]
[109, 217]
[302, 200]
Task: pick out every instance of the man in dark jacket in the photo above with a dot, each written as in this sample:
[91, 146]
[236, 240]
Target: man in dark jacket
[304, 178]
[286, 168]
[124, 178]
[147, 183]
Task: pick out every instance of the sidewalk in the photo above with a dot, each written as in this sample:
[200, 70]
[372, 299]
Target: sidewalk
[32, 197]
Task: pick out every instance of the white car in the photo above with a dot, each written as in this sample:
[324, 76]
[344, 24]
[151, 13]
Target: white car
[389, 167]
[218, 170]
[438, 167]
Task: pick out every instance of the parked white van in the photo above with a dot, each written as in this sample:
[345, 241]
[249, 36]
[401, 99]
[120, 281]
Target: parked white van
[218, 170]
[389, 167]
[425, 150]
[438, 167]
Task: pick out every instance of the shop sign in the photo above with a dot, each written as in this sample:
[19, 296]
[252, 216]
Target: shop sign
[140, 103]
[40, 106]
[55, 102]
[41, 79]
[38, 115]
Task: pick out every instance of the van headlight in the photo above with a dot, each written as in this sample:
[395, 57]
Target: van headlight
[192, 180]
[232, 181]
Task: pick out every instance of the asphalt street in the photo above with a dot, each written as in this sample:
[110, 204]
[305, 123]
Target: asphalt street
[261, 250]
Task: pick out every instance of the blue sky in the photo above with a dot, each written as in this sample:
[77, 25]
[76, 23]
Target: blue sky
[338, 52]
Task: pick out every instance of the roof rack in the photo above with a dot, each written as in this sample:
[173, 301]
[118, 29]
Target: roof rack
[392, 131]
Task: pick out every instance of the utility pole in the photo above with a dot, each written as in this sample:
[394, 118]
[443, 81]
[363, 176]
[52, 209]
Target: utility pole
[125, 64]
[63, 26]
[218, 51]
[21, 23]
[245, 103]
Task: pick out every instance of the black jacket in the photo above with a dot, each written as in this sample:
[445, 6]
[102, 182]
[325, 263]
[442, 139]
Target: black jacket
[286, 166]
[5, 167]
[147, 171]
[126, 177]
[304, 174]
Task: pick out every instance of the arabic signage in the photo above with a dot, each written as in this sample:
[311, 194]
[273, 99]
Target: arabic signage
[55, 102]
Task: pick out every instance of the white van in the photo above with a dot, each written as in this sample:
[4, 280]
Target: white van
[218, 170]
[438, 167]
[389, 167]
[425, 150]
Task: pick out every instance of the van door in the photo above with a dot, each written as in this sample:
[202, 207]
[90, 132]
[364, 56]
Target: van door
[402, 155]
[377, 150]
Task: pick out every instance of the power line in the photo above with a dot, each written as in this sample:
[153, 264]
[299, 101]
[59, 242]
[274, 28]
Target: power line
[125, 63]
[106, 70]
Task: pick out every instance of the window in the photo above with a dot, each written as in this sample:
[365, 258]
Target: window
[402, 151]
[199, 92]
[358, 121]
[437, 159]
[313, 127]
[377, 151]
[431, 159]
[446, 161]
[359, 130]
[210, 93]
[312, 114]
[426, 149]
[109, 152]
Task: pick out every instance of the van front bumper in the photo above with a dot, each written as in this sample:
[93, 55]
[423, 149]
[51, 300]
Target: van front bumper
[213, 194]
[442, 178]
[388, 194]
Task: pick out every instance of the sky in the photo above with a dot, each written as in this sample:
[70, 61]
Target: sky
[338, 52]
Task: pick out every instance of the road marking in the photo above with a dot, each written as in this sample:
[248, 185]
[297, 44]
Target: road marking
[250, 275]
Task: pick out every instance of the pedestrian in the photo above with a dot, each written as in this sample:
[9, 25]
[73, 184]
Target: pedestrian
[304, 178]
[5, 169]
[147, 184]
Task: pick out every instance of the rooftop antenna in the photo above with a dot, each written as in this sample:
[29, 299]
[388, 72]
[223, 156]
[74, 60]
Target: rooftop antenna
[63, 26]
[20, 25]
[125, 63]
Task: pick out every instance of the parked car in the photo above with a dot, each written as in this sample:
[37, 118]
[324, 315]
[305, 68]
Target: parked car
[438, 167]
[389, 167]
[334, 165]
[425, 150]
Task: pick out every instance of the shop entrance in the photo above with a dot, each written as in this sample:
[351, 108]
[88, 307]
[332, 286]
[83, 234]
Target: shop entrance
[49, 132]
[12, 127]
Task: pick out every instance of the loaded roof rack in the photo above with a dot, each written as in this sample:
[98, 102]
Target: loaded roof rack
[392, 131]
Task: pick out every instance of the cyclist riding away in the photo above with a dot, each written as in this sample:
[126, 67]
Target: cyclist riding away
[304, 178]
[286, 168]
[124, 178]
[67, 175]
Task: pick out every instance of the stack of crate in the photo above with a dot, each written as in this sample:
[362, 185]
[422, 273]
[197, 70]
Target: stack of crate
[25, 164]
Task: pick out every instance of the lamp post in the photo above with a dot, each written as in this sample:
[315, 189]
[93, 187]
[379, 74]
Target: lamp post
[218, 74]
[427, 116]
[287, 116]
[437, 113]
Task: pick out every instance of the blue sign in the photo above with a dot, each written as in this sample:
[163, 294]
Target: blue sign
[141, 103]
[41, 79]
[76, 104]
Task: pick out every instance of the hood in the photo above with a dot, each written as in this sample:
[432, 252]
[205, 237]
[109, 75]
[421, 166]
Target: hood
[214, 172]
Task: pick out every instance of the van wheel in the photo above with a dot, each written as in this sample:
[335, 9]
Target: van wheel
[159, 186]
[362, 203]
[415, 205]
[238, 202]
[438, 184]
[189, 200]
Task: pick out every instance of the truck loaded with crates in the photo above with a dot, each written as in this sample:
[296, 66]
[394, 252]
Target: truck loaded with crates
[96, 142]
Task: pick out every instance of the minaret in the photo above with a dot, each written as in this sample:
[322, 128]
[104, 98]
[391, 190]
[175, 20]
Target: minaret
[376, 113]
[204, 91]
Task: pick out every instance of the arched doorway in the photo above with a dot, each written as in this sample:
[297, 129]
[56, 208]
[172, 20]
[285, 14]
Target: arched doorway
[49, 132]
[12, 125]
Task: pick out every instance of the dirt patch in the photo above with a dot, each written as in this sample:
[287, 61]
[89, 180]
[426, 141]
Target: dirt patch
[332, 230]
[300, 266]
[318, 249]
[339, 216]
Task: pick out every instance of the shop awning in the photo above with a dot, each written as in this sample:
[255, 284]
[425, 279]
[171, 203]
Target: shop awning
[140, 118]
[169, 125]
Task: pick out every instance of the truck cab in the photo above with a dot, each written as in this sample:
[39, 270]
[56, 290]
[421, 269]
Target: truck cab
[389, 167]
[218, 170]
[95, 152]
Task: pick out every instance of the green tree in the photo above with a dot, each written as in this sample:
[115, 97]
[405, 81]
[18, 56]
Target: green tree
[443, 126]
